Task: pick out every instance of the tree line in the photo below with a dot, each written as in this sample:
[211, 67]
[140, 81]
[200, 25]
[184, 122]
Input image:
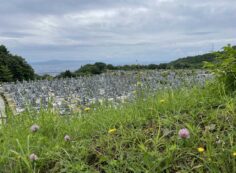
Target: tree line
[100, 67]
[190, 62]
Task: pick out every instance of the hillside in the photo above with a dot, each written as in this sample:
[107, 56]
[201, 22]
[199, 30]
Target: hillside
[13, 67]
[195, 62]
[192, 61]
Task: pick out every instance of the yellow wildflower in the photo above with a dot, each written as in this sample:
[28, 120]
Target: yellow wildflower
[87, 109]
[162, 101]
[234, 154]
[200, 150]
[111, 131]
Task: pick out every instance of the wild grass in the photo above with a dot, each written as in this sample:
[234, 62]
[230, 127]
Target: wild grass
[141, 136]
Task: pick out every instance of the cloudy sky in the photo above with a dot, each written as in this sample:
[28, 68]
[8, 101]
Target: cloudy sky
[116, 31]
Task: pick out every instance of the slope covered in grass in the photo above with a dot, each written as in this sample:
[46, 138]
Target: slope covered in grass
[136, 137]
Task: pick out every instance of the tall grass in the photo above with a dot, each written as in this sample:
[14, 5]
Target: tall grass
[144, 136]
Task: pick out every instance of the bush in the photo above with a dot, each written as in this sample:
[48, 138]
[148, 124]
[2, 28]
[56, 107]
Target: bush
[224, 68]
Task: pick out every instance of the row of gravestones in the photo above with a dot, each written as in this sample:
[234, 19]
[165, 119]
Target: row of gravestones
[67, 95]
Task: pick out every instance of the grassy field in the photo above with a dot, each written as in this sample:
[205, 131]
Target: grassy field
[142, 136]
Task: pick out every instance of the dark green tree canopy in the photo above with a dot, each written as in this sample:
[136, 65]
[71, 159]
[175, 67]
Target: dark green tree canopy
[14, 67]
[66, 74]
[3, 49]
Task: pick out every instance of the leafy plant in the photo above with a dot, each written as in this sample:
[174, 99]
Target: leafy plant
[224, 67]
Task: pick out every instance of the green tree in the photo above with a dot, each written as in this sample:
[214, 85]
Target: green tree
[5, 74]
[101, 66]
[15, 65]
[224, 67]
[89, 69]
[111, 67]
[3, 49]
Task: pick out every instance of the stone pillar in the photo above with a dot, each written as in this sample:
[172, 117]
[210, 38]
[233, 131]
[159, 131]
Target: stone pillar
[3, 115]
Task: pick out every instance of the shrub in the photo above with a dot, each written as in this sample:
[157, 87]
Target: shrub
[224, 67]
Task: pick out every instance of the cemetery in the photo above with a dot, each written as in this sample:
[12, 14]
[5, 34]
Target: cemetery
[175, 120]
[67, 95]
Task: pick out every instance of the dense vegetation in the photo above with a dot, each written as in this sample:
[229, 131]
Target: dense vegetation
[13, 67]
[192, 62]
[224, 68]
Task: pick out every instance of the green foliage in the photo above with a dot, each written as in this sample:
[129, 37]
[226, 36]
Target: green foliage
[145, 140]
[192, 62]
[66, 74]
[99, 67]
[3, 49]
[44, 77]
[13, 67]
[224, 67]
[6, 74]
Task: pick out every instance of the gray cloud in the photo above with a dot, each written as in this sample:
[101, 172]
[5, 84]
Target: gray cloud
[121, 30]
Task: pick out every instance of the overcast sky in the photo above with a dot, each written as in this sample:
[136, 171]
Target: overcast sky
[116, 31]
